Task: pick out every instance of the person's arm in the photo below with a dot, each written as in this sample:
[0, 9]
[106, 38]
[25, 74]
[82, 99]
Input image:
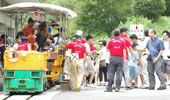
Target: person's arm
[124, 56]
[159, 55]
[100, 55]
[131, 51]
[139, 60]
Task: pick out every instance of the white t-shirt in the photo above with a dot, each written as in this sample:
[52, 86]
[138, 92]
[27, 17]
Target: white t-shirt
[104, 53]
[166, 52]
[87, 47]
[145, 41]
[16, 46]
[107, 57]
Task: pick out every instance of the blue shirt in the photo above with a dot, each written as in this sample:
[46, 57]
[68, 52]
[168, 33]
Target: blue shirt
[154, 47]
[131, 62]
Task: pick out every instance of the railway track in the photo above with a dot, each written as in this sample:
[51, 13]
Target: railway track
[46, 95]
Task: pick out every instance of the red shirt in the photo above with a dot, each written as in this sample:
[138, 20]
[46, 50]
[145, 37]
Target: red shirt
[116, 46]
[127, 43]
[83, 41]
[92, 47]
[24, 46]
[77, 47]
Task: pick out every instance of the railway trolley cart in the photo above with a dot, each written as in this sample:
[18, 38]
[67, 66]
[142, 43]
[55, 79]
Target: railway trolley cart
[25, 71]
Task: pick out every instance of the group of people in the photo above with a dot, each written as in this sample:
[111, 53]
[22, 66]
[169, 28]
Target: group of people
[125, 56]
[37, 36]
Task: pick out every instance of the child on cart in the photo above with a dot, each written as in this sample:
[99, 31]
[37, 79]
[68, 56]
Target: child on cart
[25, 46]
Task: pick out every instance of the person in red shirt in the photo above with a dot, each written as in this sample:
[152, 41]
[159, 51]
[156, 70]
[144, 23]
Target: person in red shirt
[116, 47]
[77, 48]
[28, 29]
[24, 46]
[123, 36]
[93, 50]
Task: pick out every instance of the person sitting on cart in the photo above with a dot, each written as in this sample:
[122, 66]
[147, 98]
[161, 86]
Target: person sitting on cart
[32, 39]
[52, 29]
[18, 40]
[25, 46]
[50, 62]
[28, 29]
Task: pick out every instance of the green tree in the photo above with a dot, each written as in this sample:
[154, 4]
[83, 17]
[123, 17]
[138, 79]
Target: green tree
[151, 9]
[167, 12]
[102, 16]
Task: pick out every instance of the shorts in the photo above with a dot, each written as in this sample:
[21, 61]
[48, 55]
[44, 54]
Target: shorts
[133, 72]
[140, 70]
[166, 66]
[90, 67]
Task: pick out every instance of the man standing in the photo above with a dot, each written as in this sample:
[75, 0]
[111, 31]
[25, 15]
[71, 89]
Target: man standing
[117, 50]
[90, 70]
[28, 29]
[79, 48]
[124, 33]
[155, 46]
[166, 57]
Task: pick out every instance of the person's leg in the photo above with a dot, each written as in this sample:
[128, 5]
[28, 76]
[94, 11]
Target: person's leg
[126, 74]
[168, 70]
[91, 69]
[110, 74]
[136, 82]
[160, 73]
[142, 80]
[100, 75]
[105, 75]
[131, 79]
[72, 76]
[145, 72]
[119, 72]
[164, 70]
[151, 70]
[97, 78]
[80, 72]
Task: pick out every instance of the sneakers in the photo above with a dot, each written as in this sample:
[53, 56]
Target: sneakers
[117, 90]
[91, 85]
[151, 88]
[128, 88]
[161, 88]
[82, 87]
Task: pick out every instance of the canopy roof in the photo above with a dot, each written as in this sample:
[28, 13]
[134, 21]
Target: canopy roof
[33, 7]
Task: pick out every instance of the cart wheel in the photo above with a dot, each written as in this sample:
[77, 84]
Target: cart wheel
[57, 83]
[45, 87]
[53, 84]
[12, 93]
[48, 84]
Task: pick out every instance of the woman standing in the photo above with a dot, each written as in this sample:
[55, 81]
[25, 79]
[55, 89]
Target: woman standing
[42, 35]
[102, 62]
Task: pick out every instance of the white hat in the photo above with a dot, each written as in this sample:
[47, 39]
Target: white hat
[79, 32]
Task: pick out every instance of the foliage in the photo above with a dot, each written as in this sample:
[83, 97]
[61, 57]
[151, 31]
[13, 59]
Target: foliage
[167, 12]
[151, 9]
[163, 23]
[102, 16]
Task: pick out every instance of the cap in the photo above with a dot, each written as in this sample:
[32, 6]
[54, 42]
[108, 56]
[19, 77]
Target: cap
[79, 32]
[24, 38]
[77, 36]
